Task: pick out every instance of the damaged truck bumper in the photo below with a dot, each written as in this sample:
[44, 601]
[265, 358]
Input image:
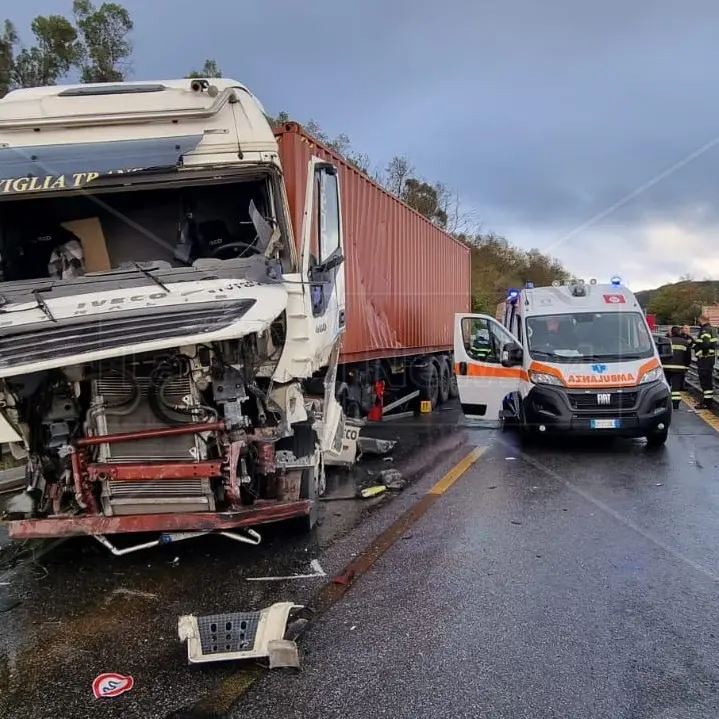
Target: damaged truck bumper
[262, 512]
[240, 635]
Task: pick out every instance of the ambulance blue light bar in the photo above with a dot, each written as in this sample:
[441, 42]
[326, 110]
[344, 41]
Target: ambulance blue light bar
[616, 280]
[513, 294]
[529, 285]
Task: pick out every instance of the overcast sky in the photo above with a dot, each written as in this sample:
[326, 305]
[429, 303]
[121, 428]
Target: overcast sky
[581, 128]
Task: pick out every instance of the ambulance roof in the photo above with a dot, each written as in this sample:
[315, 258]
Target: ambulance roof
[567, 299]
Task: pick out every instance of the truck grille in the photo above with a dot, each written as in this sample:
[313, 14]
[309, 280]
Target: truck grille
[77, 336]
[617, 400]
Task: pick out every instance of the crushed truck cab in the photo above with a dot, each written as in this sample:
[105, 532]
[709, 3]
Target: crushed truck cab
[162, 323]
[572, 358]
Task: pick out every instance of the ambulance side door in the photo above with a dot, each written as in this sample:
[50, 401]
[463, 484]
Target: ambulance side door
[488, 365]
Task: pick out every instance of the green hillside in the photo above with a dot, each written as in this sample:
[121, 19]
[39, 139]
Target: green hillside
[680, 302]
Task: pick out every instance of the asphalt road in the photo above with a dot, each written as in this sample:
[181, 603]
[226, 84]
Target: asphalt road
[575, 581]
[82, 612]
[572, 581]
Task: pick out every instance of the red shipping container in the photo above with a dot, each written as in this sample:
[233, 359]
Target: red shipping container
[405, 277]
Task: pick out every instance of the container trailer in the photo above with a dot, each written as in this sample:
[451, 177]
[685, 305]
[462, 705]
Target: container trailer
[404, 279]
[185, 296]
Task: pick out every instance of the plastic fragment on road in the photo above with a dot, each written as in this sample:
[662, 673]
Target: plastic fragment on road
[235, 635]
[110, 684]
[283, 653]
[372, 491]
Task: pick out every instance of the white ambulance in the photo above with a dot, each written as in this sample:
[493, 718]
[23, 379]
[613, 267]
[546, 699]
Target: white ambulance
[574, 358]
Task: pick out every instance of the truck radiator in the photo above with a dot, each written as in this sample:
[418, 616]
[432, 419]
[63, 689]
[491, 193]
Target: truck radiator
[143, 497]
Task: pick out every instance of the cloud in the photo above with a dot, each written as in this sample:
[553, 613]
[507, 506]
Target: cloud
[541, 114]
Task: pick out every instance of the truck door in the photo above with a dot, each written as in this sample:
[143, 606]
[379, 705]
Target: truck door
[488, 365]
[323, 259]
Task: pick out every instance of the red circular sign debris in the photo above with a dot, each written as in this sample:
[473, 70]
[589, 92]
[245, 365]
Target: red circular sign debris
[111, 685]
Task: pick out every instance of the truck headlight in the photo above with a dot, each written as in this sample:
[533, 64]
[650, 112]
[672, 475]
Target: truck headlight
[544, 378]
[652, 375]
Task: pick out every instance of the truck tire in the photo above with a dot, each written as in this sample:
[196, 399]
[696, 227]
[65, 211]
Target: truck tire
[308, 490]
[429, 392]
[445, 379]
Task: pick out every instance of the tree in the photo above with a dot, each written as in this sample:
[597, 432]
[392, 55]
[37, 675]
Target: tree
[360, 160]
[56, 50]
[424, 198]
[498, 266]
[104, 32]
[209, 69]
[682, 301]
[8, 40]
[398, 171]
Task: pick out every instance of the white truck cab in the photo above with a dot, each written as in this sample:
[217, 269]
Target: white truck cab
[158, 319]
[573, 358]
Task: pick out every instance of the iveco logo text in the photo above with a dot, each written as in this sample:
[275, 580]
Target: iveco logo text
[604, 399]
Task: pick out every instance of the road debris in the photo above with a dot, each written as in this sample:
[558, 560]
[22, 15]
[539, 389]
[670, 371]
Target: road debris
[369, 492]
[236, 635]
[123, 592]
[283, 653]
[317, 571]
[110, 685]
[392, 479]
[371, 445]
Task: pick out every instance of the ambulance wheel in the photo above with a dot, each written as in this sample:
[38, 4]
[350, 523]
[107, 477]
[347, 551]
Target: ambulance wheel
[657, 439]
[445, 379]
[527, 435]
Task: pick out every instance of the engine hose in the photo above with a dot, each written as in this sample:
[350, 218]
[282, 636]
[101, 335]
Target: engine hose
[158, 409]
[122, 409]
[183, 408]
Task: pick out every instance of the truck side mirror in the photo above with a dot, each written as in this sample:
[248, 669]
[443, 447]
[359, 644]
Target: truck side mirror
[512, 355]
[334, 260]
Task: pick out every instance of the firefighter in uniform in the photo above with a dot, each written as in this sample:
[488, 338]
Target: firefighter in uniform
[705, 348]
[675, 369]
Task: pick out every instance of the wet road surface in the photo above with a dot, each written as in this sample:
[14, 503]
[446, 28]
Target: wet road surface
[574, 582]
[83, 612]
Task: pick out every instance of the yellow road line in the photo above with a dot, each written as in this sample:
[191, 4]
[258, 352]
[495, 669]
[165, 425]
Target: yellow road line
[457, 471]
[707, 415]
[232, 688]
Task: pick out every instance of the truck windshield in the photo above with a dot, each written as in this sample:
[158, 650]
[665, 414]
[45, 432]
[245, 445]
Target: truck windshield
[589, 337]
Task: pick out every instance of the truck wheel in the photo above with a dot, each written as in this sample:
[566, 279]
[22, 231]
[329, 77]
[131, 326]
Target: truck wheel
[308, 490]
[445, 378]
[430, 390]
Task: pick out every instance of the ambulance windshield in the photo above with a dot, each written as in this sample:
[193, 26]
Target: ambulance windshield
[589, 337]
